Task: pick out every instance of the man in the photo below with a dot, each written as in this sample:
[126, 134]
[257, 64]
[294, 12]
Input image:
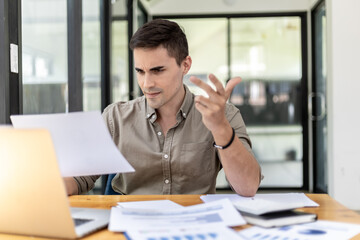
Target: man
[176, 142]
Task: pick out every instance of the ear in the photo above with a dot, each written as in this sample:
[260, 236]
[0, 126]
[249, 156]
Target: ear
[186, 65]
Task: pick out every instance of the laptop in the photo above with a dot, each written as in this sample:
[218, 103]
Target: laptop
[34, 200]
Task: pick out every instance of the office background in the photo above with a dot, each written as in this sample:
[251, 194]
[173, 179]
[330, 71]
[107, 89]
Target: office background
[293, 56]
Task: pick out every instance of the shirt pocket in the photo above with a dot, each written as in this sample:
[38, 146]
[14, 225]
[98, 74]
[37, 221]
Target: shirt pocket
[197, 159]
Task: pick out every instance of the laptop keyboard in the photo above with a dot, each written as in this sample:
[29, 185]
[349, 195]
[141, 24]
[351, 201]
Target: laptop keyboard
[80, 221]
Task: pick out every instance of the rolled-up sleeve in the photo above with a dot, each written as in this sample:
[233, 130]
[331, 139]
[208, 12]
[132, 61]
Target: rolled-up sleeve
[86, 183]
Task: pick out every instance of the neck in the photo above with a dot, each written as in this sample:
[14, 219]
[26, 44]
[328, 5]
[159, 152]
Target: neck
[169, 110]
[167, 114]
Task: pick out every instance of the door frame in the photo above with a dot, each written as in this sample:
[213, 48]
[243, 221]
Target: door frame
[313, 108]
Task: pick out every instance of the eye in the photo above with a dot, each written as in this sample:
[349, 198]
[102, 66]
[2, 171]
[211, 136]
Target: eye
[139, 71]
[157, 70]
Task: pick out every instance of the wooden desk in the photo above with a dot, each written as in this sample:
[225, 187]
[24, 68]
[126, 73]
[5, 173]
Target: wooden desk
[329, 210]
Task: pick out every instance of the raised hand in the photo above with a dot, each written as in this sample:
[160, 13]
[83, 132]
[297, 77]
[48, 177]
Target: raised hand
[212, 108]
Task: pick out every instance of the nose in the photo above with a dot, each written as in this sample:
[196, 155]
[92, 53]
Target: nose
[148, 81]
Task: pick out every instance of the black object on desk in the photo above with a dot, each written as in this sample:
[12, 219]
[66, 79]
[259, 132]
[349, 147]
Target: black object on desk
[278, 219]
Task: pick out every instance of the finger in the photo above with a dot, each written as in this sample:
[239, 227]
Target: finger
[201, 84]
[207, 102]
[230, 86]
[201, 108]
[204, 110]
[219, 87]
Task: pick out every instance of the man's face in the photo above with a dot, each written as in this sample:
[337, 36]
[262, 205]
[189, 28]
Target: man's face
[160, 77]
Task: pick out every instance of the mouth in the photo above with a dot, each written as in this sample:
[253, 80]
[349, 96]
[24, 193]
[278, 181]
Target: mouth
[151, 94]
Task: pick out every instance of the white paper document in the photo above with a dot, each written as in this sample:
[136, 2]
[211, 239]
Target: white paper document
[218, 213]
[200, 233]
[156, 204]
[82, 142]
[278, 197]
[216, 197]
[310, 231]
[288, 197]
[264, 203]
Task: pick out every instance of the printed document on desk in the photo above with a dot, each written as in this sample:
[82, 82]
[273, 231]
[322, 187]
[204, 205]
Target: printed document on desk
[318, 230]
[265, 203]
[82, 142]
[218, 213]
[217, 232]
[154, 204]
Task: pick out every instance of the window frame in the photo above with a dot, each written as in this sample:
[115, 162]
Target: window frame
[10, 83]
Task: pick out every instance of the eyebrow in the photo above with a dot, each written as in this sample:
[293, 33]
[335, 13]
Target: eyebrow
[156, 68]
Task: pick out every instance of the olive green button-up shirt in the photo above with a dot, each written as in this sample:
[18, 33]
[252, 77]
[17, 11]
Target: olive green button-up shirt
[182, 162]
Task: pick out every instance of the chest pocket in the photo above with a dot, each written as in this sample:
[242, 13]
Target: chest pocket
[197, 160]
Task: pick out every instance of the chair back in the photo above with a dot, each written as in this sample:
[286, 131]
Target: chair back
[108, 189]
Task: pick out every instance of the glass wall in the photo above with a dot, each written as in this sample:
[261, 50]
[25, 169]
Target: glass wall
[119, 52]
[119, 61]
[44, 57]
[207, 48]
[91, 55]
[266, 53]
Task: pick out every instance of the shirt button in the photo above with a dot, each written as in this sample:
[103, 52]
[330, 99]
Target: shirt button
[166, 156]
[184, 114]
[159, 133]
[147, 115]
[167, 181]
[153, 117]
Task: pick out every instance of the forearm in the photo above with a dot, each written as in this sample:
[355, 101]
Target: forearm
[85, 183]
[240, 166]
[71, 186]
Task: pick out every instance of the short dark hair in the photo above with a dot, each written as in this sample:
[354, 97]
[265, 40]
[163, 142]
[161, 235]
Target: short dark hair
[165, 33]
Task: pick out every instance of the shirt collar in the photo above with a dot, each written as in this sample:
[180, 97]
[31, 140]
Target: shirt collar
[150, 112]
[183, 111]
[186, 105]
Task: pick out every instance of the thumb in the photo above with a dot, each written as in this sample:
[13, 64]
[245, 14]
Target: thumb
[230, 86]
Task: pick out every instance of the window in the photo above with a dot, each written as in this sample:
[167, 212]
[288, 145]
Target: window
[119, 58]
[44, 42]
[207, 48]
[91, 67]
[119, 52]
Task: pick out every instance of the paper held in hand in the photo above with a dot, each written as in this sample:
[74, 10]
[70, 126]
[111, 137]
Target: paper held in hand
[82, 142]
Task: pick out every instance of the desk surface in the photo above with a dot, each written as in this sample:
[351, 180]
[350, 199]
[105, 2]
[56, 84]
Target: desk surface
[329, 210]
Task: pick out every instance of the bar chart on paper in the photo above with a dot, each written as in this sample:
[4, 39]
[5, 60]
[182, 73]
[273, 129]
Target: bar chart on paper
[318, 230]
[195, 233]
